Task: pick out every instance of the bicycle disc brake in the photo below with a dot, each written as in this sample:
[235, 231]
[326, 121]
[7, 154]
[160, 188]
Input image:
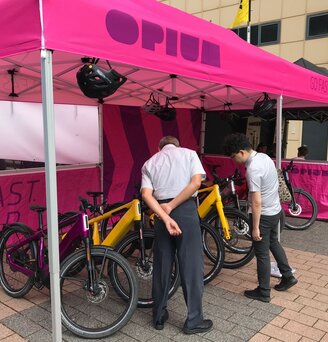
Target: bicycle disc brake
[296, 212]
[240, 227]
[144, 269]
[100, 293]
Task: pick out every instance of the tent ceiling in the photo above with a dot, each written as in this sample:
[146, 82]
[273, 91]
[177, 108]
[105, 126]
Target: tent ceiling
[141, 82]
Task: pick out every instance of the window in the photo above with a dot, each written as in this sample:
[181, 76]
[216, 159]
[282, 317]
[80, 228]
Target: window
[317, 25]
[263, 34]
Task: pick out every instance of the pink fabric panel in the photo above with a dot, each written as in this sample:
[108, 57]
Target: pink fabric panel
[20, 27]
[159, 37]
[19, 191]
[130, 137]
[311, 177]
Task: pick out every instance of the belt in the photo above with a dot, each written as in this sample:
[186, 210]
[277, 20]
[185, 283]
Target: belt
[166, 200]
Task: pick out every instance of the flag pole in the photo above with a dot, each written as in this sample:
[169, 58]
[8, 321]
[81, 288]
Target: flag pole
[249, 23]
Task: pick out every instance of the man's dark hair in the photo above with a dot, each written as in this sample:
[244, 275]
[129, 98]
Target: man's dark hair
[302, 151]
[168, 140]
[233, 143]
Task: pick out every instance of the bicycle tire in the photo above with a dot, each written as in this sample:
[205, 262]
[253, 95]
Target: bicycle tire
[16, 284]
[243, 208]
[213, 252]
[101, 315]
[305, 214]
[129, 247]
[239, 250]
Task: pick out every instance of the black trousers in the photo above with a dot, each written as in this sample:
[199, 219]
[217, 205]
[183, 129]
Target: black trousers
[188, 247]
[269, 242]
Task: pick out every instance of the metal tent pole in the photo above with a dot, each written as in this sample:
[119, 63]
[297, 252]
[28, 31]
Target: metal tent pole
[51, 190]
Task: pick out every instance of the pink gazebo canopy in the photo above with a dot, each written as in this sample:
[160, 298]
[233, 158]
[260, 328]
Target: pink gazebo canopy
[159, 49]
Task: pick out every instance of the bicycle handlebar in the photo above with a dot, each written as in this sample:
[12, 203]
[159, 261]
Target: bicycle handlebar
[223, 182]
[289, 167]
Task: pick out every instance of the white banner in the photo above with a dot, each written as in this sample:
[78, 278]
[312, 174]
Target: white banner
[76, 129]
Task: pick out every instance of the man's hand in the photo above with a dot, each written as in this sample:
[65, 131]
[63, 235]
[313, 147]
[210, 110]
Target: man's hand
[167, 208]
[256, 234]
[172, 227]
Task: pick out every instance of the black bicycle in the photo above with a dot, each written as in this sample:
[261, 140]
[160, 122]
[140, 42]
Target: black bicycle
[302, 210]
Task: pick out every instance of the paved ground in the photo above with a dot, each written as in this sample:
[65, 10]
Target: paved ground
[300, 314]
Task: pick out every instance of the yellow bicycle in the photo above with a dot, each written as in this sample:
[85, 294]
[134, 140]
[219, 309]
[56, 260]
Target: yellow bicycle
[232, 224]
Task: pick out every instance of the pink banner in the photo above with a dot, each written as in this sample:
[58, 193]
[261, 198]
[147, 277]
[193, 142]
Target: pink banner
[19, 191]
[131, 136]
[309, 176]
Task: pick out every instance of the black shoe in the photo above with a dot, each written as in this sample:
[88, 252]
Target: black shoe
[286, 283]
[257, 295]
[206, 325]
[159, 325]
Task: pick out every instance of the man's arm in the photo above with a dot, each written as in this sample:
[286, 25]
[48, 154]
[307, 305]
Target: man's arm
[256, 203]
[171, 225]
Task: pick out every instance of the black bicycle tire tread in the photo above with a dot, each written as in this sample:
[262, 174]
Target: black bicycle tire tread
[218, 264]
[25, 230]
[312, 219]
[146, 234]
[249, 256]
[99, 251]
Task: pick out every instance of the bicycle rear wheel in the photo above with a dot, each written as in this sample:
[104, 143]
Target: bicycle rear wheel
[239, 249]
[213, 252]
[130, 248]
[99, 312]
[15, 283]
[305, 212]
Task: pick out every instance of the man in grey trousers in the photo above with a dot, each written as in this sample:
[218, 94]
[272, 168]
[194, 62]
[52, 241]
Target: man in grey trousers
[170, 180]
[265, 211]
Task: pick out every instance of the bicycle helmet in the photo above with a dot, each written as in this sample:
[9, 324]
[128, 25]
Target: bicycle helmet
[263, 105]
[98, 83]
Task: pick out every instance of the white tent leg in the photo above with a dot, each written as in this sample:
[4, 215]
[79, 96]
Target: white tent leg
[278, 132]
[101, 147]
[51, 190]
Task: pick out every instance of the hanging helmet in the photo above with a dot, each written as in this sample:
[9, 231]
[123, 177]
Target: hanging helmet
[263, 105]
[98, 83]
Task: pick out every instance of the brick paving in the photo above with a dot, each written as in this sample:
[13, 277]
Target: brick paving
[299, 314]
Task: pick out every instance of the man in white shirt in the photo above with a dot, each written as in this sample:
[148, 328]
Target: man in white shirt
[265, 212]
[170, 180]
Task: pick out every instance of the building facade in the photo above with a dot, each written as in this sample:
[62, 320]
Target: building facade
[291, 29]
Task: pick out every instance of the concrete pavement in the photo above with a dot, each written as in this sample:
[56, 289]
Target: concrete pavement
[300, 314]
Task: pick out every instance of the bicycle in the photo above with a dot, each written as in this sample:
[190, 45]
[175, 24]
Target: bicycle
[121, 227]
[90, 309]
[232, 224]
[302, 210]
[230, 196]
[137, 246]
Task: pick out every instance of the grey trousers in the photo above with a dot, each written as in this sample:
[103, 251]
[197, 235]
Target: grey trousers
[269, 242]
[188, 247]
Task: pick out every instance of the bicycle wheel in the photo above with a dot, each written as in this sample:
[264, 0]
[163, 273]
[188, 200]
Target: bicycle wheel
[239, 249]
[99, 312]
[15, 283]
[303, 215]
[213, 249]
[244, 207]
[130, 248]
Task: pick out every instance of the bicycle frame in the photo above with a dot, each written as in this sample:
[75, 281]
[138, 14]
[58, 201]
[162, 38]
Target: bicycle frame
[206, 206]
[133, 215]
[290, 187]
[80, 230]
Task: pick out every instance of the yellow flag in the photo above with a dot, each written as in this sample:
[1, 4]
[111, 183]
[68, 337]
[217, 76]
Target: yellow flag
[242, 14]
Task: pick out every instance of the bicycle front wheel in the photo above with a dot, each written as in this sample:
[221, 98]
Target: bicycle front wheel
[239, 249]
[96, 310]
[301, 215]
[213, 252]
[130, 248]
[15, 283]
